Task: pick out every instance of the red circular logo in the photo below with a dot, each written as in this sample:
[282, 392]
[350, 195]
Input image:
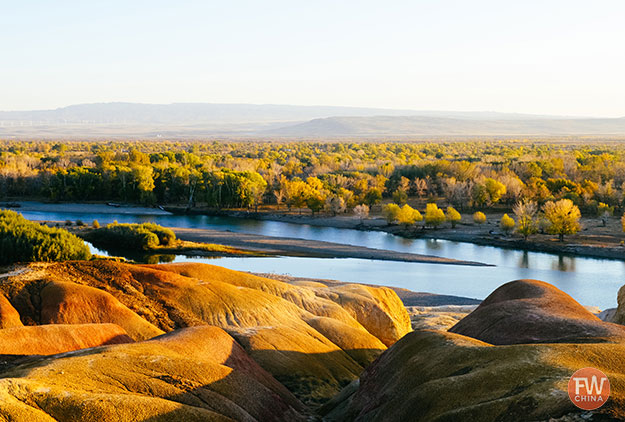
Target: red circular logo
[589, 388]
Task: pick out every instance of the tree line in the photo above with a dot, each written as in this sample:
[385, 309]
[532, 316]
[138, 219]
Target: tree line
[319, 177]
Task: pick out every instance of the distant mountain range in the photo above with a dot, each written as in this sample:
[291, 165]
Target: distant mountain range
[197, 120]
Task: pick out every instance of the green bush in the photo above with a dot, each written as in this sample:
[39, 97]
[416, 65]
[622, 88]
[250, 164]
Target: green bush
[166, 237]
[22, 240]
[144, 236]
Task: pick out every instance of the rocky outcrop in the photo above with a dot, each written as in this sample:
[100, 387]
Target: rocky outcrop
[532, 311]
[70, 303]
[313, 340]
[193, 374]
[57, 338]
[9, 317]
[375, 308]
[437, 317]
[509, 360]
[439, 376]
[619, 315]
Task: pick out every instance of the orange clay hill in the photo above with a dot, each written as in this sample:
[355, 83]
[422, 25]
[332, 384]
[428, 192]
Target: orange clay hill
[544, 337]
[302, 344]
[532, 311]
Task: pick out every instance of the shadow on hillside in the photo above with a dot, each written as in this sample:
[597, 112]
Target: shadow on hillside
[248, 391]
[304, 395]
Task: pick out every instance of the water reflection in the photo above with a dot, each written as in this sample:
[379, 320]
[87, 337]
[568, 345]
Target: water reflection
[433, 244]
[524, 262]
[564, 263]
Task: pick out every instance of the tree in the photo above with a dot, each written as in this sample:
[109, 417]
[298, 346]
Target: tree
[434, 216]
[316, 201]
[453, 216]
[495, 190]
[335, 204]
[400, 197]
[373, 196]
[623, 222]
[390, 212]
[525, 213]
[507, 223]
[479, 217]
[408, 215]
[604, 211]
[563, 217]
[296, 193]
[361, 211]
[420, 187]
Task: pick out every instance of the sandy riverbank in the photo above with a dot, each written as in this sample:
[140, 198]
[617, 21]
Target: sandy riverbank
[594, 240]
[309, 248]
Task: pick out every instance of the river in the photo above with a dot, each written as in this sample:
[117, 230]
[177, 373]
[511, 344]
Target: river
[591, 281]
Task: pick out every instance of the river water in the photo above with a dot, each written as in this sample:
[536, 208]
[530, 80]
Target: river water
[593, 282]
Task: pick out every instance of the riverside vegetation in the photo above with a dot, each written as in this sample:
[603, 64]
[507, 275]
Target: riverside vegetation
[25, 241]
[329, 177]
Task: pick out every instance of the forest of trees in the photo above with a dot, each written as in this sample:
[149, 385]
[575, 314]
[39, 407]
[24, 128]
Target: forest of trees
[321, 177]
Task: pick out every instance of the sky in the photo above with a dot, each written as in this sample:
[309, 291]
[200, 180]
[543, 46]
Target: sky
[544, 57]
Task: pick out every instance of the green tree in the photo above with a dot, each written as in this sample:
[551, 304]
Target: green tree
[390, 212]
[563, 217]
[373, 196]
[400, 197]
[453, 216]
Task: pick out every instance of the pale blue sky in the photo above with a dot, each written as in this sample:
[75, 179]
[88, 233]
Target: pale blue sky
[557, 57]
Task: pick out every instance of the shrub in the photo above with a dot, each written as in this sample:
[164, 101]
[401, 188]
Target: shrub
[390, 212]
[25, 241]
[453, 216]
[507, 223]
[166, 237]
[479, 217]
[95, 224]
[361, 211]
[434, 216]
[408, 215]
[79, 223]
[144, 236]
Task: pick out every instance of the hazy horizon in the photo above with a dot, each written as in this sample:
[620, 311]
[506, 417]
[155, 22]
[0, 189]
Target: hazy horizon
[338, 106]
[556, 58]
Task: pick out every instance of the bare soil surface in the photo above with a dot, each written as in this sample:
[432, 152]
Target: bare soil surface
[594, 240]
[301, 247]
